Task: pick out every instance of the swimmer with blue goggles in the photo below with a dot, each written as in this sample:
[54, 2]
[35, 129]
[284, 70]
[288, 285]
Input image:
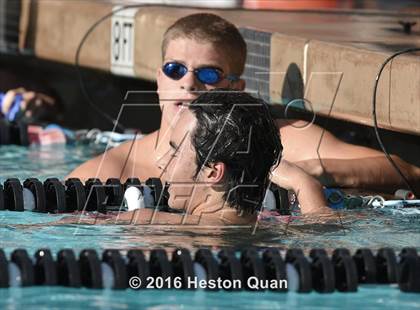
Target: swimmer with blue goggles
[206, 75]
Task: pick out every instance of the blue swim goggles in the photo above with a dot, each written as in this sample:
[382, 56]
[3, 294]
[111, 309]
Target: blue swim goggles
[206, 75]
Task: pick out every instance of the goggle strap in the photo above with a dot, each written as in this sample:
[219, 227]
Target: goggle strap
[232, 77]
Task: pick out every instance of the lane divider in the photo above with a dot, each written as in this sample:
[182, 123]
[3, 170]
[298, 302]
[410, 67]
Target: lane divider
[54, 196]
[250, 269]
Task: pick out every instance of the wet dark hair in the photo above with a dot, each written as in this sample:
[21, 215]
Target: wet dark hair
[237, 129]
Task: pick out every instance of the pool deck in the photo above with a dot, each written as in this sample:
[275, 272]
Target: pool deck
[337, 54]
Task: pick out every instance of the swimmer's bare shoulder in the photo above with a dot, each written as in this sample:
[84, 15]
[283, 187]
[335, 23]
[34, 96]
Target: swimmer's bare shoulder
[110, 164]
[299, 139]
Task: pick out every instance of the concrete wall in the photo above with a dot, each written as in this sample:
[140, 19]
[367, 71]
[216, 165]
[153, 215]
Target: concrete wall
[330, 58]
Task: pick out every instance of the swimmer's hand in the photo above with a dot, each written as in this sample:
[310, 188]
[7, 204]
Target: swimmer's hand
[308, 189]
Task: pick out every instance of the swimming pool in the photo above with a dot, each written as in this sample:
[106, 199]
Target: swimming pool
[353, 230]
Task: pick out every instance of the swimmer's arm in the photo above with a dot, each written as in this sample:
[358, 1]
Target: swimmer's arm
[348, 165]
[374, 173]
[308, 190]
[337, 163]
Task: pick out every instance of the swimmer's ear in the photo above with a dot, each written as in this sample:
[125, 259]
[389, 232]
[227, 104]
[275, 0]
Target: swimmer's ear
[215, 173]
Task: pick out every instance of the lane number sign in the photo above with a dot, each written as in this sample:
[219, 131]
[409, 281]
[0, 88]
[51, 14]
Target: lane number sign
[122, 42]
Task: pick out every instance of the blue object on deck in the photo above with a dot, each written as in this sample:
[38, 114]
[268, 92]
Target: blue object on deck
[335, 198]
[14, 109]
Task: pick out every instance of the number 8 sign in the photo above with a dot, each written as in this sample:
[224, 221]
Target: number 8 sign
[122, 42]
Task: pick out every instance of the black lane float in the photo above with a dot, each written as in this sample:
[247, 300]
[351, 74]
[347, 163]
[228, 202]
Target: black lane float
[54, 196]
[248, 269]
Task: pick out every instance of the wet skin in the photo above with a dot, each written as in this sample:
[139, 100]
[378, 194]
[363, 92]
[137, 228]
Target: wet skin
[199, 195]
[305, 161]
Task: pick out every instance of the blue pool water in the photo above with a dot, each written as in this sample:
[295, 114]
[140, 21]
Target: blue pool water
[354, 229]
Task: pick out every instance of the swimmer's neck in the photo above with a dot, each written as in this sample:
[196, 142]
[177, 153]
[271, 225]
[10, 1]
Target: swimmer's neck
[163, 135]
[220, 210]
[161, 144]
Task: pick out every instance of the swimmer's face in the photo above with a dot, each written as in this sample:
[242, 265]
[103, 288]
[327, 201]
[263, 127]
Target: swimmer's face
[194, 55]
[185, 191]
